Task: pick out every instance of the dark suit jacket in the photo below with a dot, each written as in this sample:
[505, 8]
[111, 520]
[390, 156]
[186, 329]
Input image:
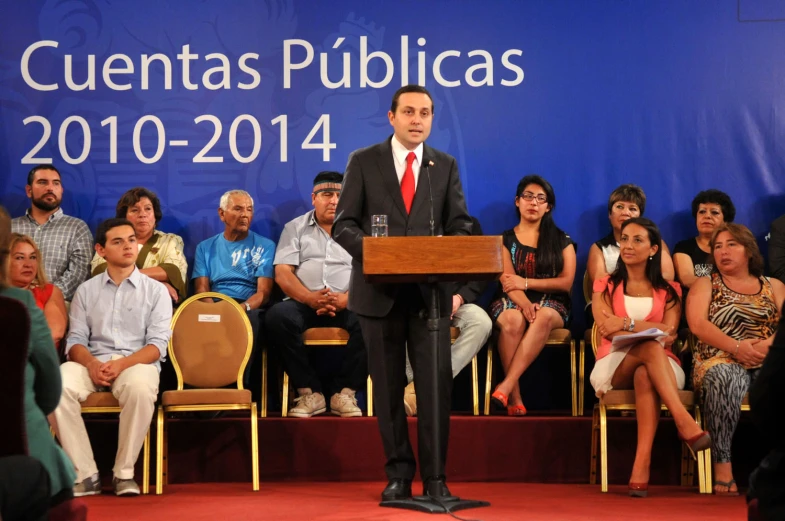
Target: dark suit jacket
[371, 187]
[766, 393]
[777, 248]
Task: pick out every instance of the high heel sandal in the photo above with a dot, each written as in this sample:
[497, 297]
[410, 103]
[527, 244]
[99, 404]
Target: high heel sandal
[499, 399]
[697, 443]
[516, 410]
[638, 489]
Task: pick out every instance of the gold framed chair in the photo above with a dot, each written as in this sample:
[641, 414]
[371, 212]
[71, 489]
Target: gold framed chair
[624, 400]
[316, 337]
[210, 346]
[587, 287]
[587, 339]
[558, 337]
[104, 402]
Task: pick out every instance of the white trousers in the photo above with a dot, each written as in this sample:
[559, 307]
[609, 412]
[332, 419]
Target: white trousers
[475, 326]
[136, 389]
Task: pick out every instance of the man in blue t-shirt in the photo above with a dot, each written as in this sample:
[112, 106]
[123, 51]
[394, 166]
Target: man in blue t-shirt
[238, 263]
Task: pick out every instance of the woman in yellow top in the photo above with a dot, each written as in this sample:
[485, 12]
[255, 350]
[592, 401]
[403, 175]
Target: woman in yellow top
[160, 254]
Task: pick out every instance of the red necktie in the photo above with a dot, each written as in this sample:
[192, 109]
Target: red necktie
[407, 183]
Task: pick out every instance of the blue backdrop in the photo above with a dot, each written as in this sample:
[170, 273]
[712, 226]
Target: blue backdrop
[194, 98]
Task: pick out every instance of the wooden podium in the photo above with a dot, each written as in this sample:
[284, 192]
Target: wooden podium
[431, 260]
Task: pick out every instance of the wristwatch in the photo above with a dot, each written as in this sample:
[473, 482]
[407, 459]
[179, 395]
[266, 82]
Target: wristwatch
[247, 307]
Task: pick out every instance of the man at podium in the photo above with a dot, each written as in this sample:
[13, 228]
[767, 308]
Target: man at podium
[418, 188]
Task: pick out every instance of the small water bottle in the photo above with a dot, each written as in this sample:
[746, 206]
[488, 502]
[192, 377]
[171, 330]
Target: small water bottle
[378, 226]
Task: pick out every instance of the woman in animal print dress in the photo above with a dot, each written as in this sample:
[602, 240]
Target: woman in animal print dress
[734, 314]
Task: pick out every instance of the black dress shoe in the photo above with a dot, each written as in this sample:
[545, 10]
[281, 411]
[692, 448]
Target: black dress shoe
[397, 488]
[435, 487]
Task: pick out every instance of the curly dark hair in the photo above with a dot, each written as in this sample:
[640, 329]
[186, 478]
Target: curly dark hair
[133, 196]
[713, 196]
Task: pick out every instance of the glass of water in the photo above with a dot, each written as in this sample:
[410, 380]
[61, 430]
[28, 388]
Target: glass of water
[378, 226]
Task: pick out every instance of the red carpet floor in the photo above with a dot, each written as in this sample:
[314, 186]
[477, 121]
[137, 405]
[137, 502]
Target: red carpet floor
[359, 501]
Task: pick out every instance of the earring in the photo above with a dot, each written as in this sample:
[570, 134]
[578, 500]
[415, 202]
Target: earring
[650, 257]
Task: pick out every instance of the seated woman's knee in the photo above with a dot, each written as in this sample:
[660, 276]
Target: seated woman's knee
[511, 322]
[641, 378]
[547, 318]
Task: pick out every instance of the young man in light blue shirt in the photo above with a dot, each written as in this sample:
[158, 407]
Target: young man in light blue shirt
[119, 331]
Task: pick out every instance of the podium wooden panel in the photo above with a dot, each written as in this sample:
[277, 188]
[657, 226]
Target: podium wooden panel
[432, 259]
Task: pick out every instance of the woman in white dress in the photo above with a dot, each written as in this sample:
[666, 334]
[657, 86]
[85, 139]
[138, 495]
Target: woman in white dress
[634, 298]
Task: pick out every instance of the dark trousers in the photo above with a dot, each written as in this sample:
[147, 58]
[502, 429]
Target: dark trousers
[252, 377]
[387, 339]
[285, 324]
[767, 482]
[24, 489]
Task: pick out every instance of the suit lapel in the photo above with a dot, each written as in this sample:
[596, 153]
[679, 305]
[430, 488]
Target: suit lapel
[390, 177]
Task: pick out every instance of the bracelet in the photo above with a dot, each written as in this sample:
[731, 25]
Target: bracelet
[526, 285]
[632, 324]
[738, 344]
[624, 324]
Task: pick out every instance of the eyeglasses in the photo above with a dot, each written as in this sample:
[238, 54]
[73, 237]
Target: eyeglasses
[540, 198]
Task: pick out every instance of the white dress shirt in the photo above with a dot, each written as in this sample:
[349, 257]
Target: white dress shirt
[399, 157]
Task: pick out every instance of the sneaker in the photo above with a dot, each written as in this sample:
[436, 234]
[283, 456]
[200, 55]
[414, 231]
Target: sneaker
[307, 405]
[125, 487]
[89, 487]
[410, 400]
[344, 404]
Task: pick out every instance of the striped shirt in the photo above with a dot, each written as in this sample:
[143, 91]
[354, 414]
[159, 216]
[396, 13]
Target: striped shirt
[66, 245]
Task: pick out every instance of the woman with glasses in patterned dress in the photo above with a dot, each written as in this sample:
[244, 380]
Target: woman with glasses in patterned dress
[734, 314]
[539, 268]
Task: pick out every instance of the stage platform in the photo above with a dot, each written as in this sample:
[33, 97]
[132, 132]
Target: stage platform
[356, 501]
[532, 449]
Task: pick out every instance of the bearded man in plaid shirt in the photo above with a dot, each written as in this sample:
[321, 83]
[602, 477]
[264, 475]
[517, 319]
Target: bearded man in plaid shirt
[65, 242]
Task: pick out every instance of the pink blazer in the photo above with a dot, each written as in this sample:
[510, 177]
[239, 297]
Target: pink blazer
[617, 303]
